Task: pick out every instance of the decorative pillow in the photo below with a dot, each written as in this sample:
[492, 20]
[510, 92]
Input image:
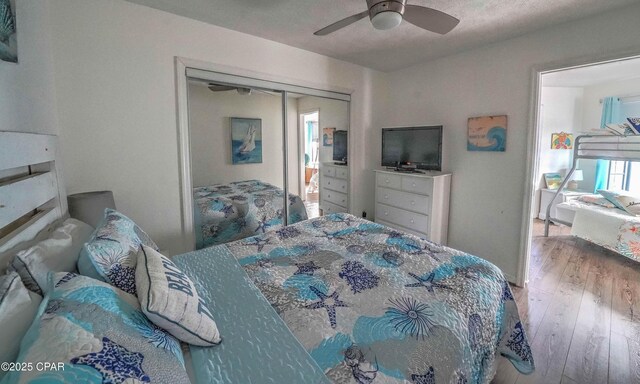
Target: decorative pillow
[596, 199]
[624, 201]
[635, 123]
[58, 253]
[111, 253]
[169, 298]
[18, 308]
[100, 335]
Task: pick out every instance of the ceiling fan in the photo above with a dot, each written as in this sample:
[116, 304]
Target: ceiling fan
[387, 14]
[241, 90]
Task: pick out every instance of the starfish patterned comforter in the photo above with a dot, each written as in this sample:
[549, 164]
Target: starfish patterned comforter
[373, 305]
[227, 212]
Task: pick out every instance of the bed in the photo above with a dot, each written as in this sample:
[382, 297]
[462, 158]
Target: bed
[227, 212]
[355, 301]
[334, 299]
[611, 228]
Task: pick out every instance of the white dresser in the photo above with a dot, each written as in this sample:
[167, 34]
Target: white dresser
[334, 188]
[414, 203]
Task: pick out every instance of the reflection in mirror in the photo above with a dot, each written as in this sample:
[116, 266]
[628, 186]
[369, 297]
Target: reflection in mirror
[323, 154]
[237, 163]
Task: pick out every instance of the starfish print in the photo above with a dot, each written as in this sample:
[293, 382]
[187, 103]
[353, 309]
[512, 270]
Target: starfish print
[115, 363]
[427, 282]
[258, 242]
[306, 268]
[395, 235]
[328, 302]
[263, 224]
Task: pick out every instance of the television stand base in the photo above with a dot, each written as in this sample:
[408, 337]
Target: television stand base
[339, 163]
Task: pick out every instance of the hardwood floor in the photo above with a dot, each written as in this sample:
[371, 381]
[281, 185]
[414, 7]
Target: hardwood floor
[581, 310]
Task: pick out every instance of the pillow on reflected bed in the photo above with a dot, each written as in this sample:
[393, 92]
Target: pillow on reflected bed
[58, 253]
[111, 253]
[18, 308]
[170, 299]
[100, 335]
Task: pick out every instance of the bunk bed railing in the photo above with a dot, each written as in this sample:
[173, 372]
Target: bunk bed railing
[596, 147]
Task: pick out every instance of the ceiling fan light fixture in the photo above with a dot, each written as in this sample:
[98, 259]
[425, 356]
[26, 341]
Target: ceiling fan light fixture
[386, 20]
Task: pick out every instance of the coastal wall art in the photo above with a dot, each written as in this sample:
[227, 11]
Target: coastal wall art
[487, 133]
[246, 140]
[8, 41]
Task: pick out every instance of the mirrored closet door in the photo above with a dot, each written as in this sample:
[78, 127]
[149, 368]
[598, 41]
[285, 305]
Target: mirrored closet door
[251, 147]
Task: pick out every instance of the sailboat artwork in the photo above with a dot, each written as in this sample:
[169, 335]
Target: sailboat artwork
[246, 140]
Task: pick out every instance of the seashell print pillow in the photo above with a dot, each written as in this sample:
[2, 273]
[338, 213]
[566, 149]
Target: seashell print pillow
[111, 253]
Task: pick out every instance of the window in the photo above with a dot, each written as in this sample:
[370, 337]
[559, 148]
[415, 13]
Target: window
[624, 175]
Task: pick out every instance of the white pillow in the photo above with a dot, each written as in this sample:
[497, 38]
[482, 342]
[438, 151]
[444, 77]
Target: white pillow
[58, 253]
[18, 308]
[169, 299]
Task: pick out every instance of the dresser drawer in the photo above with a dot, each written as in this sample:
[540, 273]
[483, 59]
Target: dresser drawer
[417, 185]
[342, 172]
[388, 180]
[329, 208]
[334, 197]
[411, 220]
[405, 200]
[328, 171]
[334, 184]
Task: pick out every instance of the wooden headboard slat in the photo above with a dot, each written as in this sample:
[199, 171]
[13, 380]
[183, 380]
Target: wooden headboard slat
[32, 198]
[26, 149]
[19, 197]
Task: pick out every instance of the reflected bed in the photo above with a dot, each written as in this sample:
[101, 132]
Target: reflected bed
[228, 212]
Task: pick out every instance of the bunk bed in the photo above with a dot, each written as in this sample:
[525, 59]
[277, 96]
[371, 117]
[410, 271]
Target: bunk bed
[609, 227]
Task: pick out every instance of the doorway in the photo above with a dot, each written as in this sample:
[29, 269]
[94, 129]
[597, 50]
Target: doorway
[310, 161]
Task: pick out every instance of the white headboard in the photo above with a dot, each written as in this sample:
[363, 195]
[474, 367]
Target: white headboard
[31, 196]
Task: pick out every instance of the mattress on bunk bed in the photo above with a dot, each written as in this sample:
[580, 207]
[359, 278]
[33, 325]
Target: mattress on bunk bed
[356, 301]
[228, 212]
[610, 228]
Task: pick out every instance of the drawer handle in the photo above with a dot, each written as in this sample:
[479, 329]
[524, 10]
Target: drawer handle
[412, 222]
[386, 213]
[413, 184]
[386, 181]
[413, 202]
[386, 197]
[343, 200]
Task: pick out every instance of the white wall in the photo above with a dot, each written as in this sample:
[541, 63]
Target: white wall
[487, 192]
[27, 92]
[333, 114]
[114, 72]
[561, 111]
[210, 132]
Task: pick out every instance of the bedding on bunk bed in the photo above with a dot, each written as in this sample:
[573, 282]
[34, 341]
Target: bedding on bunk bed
[357, 301]
[227, 212]
[608, 227]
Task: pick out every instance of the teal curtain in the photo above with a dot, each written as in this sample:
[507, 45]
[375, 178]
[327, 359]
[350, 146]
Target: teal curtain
[611, 112]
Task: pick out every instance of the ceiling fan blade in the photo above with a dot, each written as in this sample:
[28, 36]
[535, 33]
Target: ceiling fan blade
[220, 88]
[341, 24]
[430, 19]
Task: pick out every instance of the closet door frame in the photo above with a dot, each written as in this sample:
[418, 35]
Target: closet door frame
[188, 69]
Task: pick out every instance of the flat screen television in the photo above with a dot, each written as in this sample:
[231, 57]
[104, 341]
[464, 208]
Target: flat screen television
[340, 147]
[419, 146]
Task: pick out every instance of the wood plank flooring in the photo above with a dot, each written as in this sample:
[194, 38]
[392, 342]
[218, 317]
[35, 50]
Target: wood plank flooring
[581, 311]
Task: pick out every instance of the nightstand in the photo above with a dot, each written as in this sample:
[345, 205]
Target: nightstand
[547, 194]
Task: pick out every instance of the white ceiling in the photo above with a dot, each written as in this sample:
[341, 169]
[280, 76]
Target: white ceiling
[293, 22]
[594, 74]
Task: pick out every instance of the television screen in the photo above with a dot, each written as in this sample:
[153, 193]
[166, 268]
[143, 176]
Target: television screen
[420, 146]
[340, 146]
